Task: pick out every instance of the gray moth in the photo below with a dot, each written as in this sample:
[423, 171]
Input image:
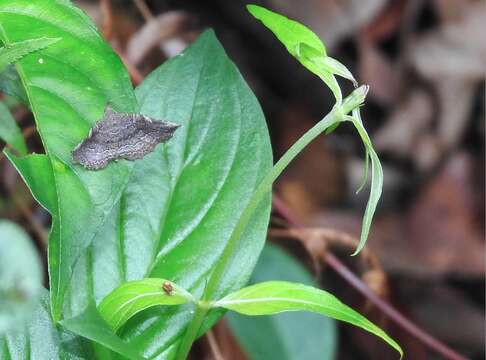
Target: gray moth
[121, 136]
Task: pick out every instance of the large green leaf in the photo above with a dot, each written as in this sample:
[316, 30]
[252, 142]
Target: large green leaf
[9, 130]
[20, 276]
[183, 201]
[273, 297]
[68, 85]
[40, 339]
[287, 336]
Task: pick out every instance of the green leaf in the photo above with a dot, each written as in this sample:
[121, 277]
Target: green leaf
[335, 67]
[274, 297]
[291, 34]
[313, 61]
[305, 46]
[20, 276]
[135, 296]
[10, 83]
[36, 171]
[183, 201]
[364, 181]
[10, 132]
[91, 325]
[376, 178]
[287, 336]
[68, 85]
[41, 339]
[15, 51]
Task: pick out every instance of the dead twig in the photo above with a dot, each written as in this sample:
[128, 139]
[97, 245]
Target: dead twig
[387, 309]
[107, 25]
[144, 10]
[213, 345]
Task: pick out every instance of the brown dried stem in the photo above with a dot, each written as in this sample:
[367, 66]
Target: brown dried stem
[213, 345]
[144, 10]
[107, 25]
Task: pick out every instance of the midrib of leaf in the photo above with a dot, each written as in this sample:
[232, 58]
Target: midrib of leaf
[174, 179]
[220, 186]
[186, 161]
[287, 299]
[121, 246]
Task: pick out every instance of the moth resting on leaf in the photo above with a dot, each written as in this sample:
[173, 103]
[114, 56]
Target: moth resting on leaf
[121, 136]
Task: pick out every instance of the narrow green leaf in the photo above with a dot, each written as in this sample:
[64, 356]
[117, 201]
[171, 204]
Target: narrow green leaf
[301, 43]
[90, 325]
[305, 46]
[10, 132]
[20, 276]
[364, 181]
[274, 297]
[336, 68]
[290, 33]
[68, 85]
[287, 336]
[376, 179]
[135, 296]
[41, 339]
[15, 51]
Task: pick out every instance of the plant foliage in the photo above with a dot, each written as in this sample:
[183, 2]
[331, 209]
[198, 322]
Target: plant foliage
[194, 212]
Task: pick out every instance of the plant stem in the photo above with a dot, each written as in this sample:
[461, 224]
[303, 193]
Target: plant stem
[336, 115]
[191, 333]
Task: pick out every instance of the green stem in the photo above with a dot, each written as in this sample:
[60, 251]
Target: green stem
[338, 114]
[191, 333]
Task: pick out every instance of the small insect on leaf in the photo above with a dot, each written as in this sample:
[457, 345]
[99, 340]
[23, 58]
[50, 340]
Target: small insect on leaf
[121, 136]
[168, 288]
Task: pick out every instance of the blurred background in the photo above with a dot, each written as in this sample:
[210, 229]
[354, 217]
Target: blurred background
[425, 62]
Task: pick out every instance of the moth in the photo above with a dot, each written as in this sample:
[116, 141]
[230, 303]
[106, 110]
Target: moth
[121, 136]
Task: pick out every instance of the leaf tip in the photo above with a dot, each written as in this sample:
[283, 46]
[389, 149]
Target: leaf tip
[254, 9]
